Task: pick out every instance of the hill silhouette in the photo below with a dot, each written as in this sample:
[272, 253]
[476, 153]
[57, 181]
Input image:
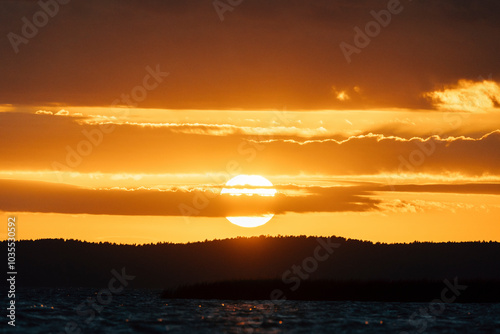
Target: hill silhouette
[71, 263]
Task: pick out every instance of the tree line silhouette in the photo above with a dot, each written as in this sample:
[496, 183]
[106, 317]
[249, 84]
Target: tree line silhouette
[72, 263]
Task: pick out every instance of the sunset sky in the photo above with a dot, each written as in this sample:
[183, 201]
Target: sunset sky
[122, 120]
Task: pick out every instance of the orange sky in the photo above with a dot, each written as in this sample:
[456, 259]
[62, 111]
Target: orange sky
[375, 175]
[127, 130]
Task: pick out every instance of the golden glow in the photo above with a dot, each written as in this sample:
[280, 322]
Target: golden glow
[342, 96]
[318, 159]
[468, 95]
[147, 143]
[253, 181]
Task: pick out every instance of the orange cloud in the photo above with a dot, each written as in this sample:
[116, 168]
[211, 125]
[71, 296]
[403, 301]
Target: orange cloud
[64, 144]
[43, 112]
[467, 95]
[24, 196]
[221, 129]
[343, 96]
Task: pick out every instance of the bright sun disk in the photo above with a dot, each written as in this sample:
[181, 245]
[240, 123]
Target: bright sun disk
[254, 182]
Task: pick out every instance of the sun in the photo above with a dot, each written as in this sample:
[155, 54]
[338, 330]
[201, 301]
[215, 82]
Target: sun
[249, 185]
[249, 180]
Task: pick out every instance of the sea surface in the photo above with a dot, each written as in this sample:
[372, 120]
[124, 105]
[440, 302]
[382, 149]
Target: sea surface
[88, 310]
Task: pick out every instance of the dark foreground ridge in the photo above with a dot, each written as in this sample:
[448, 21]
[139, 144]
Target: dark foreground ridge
[71, 263]
[447, 291]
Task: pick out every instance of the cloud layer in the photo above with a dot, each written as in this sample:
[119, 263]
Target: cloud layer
[263, 55]
[65, 144]
[24, 196]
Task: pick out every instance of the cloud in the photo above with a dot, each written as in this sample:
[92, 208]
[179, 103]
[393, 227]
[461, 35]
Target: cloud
[223, 129]
[343, 96]
[44, 112]
[471, 188]
[264, 55]
[24, 196]
[159, 150]
[347, 95]
[467, 95]
[414, 206]
[372, 154]
[62, 113]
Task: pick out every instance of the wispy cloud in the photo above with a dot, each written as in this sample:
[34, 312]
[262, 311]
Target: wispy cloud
[222, 129]
[160, 150]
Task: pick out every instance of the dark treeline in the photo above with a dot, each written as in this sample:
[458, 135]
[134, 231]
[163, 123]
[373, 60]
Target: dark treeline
[71, 263]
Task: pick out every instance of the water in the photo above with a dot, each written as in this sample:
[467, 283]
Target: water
[66, 310]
